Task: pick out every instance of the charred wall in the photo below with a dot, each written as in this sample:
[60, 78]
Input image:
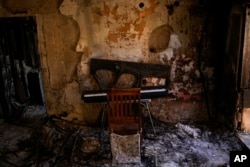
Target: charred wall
[188, 35]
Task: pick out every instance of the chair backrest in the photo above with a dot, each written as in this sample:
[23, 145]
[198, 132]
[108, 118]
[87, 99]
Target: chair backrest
[124, 109]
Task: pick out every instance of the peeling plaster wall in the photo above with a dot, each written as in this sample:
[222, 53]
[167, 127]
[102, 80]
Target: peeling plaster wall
[109, 31]
[70, 32]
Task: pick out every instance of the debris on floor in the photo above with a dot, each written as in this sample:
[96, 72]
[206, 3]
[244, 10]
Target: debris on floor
[54, 142]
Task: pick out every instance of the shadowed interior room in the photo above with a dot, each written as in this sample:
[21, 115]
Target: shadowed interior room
[154, 83]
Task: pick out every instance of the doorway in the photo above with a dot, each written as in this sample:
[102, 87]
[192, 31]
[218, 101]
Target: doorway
[20, 70]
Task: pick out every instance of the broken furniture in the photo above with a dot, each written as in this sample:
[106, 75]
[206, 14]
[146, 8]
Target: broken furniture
[125, 124]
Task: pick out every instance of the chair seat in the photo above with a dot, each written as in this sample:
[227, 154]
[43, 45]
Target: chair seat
[123, 129]
[125, 148]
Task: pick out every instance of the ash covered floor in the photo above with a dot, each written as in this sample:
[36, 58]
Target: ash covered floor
[49, 142]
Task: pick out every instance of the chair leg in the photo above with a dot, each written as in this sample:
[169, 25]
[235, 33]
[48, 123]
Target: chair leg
[149, 114]
[103, 110]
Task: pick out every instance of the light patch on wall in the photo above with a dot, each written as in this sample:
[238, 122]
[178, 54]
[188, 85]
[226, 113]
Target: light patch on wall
[172, 74]
[174, 41]
[175, 88]
[189, 67]
[168, 53]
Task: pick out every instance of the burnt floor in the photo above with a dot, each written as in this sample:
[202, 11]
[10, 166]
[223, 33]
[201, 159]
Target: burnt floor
[50, 142]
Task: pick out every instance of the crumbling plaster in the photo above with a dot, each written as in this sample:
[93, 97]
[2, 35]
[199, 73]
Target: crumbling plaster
[70, 32]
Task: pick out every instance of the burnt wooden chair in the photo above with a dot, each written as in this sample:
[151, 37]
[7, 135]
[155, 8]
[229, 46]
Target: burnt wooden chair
[125, 124]
[124, 111]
